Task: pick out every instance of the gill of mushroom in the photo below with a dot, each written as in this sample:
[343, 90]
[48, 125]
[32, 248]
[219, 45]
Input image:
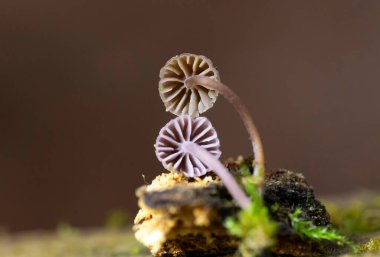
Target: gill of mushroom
[177, 98]
[191, 146]
[190, 83]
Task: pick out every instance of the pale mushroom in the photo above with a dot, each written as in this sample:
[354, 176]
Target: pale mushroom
[191, 146]
[184, 89]
[179, 99]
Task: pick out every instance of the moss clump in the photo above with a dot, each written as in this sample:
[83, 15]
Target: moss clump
[85, 243]
[357, 216]
[307, 229]
[65, 230]
[373, 245]
[253, 225]
[117, 219]
[283, 192]
[286, 191]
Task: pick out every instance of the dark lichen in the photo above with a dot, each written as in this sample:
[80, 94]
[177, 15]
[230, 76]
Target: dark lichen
[289, 191]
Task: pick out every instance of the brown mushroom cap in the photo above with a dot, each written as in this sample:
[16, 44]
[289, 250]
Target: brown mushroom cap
[179, 99]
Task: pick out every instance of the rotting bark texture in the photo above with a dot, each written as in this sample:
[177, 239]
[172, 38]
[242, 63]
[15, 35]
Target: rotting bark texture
[285, 191]
[175, 212]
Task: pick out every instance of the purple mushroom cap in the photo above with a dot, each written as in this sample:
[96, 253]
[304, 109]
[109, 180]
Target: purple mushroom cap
[184, 129]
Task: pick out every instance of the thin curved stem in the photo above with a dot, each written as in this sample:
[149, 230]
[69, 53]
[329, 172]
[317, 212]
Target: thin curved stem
[213, 163]
[230, 95]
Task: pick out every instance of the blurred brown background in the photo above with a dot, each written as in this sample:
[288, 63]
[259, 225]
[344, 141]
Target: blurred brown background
[80, 110]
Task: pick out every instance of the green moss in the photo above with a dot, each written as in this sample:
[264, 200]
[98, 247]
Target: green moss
[136, 250]
[275, 207]
[117, 219]
[373, 245]
[65, 230]
[358, 216]
[306, 228]
[244, 170]
[253, 224]
[85, 243]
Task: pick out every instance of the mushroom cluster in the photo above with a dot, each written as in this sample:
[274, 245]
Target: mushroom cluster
[189, 85]
[179, 212]
[182, 215]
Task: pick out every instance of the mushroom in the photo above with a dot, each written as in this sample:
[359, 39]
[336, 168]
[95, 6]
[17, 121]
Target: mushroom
[230, 95]
[188, 79]
[178, 98]
[191, 145]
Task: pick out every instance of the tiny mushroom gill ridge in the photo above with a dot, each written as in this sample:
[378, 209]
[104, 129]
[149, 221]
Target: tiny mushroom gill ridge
[190, 145]
[190, 83]
[178, 98]
[184, 129]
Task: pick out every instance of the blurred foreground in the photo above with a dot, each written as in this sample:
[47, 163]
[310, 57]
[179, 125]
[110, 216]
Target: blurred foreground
[358, 217]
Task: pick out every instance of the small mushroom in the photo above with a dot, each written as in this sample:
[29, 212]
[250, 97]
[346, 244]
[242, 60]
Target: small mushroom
[189, 84]
[186, 129]
[190, 145]
[179, 99]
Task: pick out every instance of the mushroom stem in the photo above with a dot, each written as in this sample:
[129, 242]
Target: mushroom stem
[213, 163]
[230, 95]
